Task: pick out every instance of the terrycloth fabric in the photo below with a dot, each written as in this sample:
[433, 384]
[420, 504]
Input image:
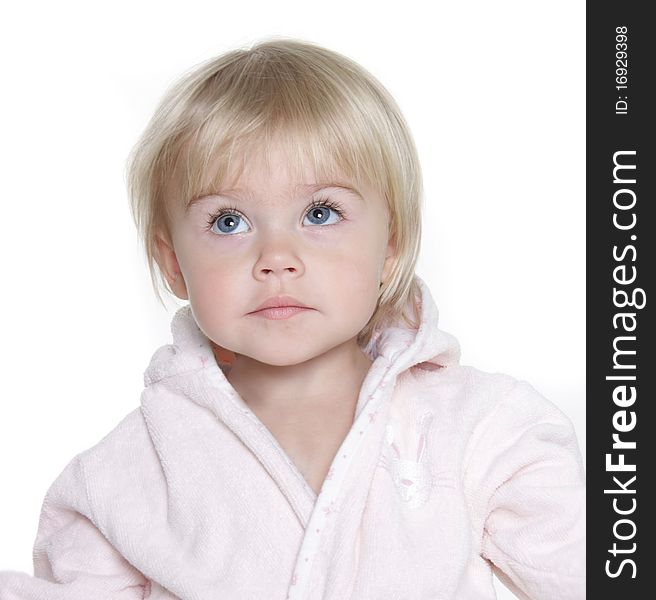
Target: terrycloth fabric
[447, 474]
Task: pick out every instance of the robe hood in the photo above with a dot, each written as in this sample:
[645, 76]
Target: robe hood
[396, 344]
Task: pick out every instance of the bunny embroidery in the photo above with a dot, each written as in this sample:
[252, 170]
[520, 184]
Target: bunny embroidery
[412, 475]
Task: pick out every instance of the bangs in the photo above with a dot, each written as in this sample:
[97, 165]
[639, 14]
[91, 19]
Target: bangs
[209, 168]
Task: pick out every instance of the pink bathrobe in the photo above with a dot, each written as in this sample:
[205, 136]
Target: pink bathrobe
[447, 475]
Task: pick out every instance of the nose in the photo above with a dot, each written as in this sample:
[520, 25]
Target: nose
[278, 259]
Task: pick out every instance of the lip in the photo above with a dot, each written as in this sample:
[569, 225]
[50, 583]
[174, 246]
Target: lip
[279, 312]
[280, 302]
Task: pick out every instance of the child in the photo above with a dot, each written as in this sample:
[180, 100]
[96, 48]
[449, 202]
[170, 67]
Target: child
[309, 433]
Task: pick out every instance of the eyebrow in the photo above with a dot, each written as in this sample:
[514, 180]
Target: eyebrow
[313, 188]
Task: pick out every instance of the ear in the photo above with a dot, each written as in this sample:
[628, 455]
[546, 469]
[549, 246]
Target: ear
[168, 263]
[390, 260]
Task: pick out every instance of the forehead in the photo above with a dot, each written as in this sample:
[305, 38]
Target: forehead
[272, 164]
[283, 165]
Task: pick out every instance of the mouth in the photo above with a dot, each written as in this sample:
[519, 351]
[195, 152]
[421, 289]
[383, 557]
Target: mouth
[280, 312]
[280, 307]
[280, 302]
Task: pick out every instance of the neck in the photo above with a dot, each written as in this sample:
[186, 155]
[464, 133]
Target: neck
[327, 382]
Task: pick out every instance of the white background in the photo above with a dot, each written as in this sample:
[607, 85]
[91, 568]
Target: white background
[494, 95]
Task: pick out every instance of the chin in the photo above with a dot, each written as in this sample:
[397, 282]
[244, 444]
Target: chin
[286, 357]
[276, 357]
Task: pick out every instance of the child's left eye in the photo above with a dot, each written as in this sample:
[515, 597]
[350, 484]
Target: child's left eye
[318, 212]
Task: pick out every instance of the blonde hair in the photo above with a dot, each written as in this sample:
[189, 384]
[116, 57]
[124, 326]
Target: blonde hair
[322, 105]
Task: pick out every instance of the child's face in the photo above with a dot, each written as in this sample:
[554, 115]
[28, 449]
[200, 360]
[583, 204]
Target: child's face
[280, 246]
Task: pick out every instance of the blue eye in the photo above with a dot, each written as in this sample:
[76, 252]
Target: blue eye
[229, 219]
[321, 209]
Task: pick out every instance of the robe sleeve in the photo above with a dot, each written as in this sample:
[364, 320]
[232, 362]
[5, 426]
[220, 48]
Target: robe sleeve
[72, 558]
[526, 481]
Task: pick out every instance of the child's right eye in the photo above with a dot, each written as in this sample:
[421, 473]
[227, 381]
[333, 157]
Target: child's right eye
[226, 220]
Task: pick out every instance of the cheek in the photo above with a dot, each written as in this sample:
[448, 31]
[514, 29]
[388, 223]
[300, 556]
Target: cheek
[361, 257]
[213, 283]
[353, 277]
[220, 301]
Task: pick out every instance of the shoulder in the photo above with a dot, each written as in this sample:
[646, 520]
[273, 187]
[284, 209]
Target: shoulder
[121, 452]
[470, 389]
[121, 471]
[477, 400]
[428, 375]
[98, 468]
[126, 431]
